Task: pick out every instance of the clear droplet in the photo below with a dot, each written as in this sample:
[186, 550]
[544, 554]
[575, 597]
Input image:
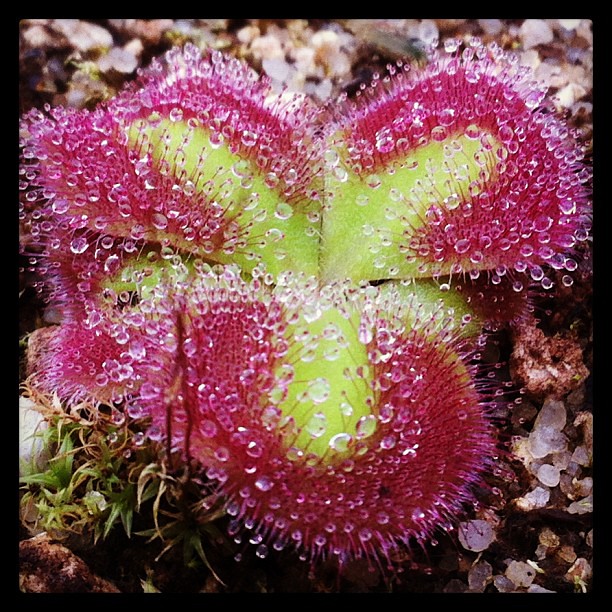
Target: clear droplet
[317, 425]
[159, 221]
[505, 133]
[318, 390]
[263, 483]
[79, 245]
[112, 263]
[472, 132]
[248, 138]
[452, 201]
[365, 534]
[176, 114]
[462, 246]
[366, 426]
[446, 117]
[418, 515]
[262, 551]
[373, 181]
[384, 140]
[451, 45]
[388, 442]
[60, 206]
[340, 442]
[271, 180]
[283, 211]
[439, 133]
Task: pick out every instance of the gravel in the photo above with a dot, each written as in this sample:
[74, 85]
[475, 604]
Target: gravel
[534, 32]
[476, 535]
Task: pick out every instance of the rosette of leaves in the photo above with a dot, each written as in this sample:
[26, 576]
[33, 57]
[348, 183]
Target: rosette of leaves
[293, 296]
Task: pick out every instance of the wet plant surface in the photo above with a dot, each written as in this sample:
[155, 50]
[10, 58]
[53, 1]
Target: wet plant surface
[159, 533]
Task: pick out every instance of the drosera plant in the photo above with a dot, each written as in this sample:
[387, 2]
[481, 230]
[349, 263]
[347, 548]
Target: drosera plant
[295, 297]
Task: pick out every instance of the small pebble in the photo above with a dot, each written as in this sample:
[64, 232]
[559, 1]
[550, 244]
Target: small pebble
[546, 440]
[584, 420]
[549, 475]
[31, 450]
[328, 53]
[83, 35]
[479, 576]
[541, 552]
[304, 61]
[574, 487]
[530, 58]
[476, 535]
[490, 26]
[536, 588]
[428, 32]
[549, 538]
[538, 498]
[267, 47]
[248, 34]
[552, 414]
[562, 460]
[520, 573]
[568, 95]
[582, 506]
[569, 24]
[521, 449]
[579, 573]
[135, 47]
[446, 25]
[504, 584]
[325, 39]
[566, 554]
[584, 486]
[585, 30]
[535, 32]
[151, 30]
[276, 68]
[546, 436]
[119, 60]
[573, 470]
[39, 36]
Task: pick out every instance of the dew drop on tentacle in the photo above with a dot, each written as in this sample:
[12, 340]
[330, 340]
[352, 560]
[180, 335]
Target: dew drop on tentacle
[79, 245]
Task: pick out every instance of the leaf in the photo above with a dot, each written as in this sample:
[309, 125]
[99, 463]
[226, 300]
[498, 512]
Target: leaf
[195, 542]
[149, 483]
